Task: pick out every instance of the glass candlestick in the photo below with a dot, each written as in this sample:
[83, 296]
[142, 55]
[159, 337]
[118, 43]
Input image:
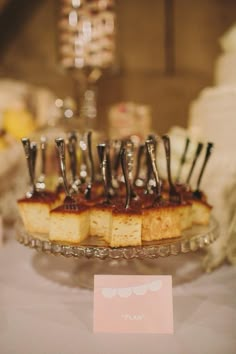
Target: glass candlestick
[86, 31]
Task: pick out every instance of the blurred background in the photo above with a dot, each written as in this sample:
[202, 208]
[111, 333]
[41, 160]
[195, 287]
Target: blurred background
[165, 55]
[120, 68]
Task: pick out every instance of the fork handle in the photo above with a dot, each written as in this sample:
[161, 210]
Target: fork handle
[207, 156]
[197, 153]
[109, 170]
[43, 146]
[60, 143]
[183, 159]
[33, 148]
[90, 155]
[148, 172]
[139, 157]
[72, 153]
[150, 145]
[166, 141]
[123, 160]
[102, 154]
[28, 155]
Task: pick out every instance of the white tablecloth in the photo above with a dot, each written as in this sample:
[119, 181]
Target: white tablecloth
[43, 311]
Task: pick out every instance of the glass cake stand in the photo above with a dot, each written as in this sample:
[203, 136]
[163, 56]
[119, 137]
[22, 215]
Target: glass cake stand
[96, 257]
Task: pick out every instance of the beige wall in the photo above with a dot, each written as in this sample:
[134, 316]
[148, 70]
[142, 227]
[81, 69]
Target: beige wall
[140, 71]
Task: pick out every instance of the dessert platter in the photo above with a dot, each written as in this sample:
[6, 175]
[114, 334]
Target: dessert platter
[115, 214]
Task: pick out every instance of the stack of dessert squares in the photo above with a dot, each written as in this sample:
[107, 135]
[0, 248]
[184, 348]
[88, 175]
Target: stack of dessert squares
[126, 204]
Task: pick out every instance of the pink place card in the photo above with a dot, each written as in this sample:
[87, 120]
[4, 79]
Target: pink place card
[133, 304]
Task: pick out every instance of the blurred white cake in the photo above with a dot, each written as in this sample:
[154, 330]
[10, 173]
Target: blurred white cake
[213, 118]
[212, 114]
[225, 71]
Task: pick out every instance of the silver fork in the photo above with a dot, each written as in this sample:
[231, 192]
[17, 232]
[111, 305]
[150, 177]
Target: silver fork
[117, 145]
[183, 159]
[88, 190]
[60, 143]
[30, 158]
[40, 184]
[101, 148]
[123, 158]
[196, 156]
[151, 148]
[197, 193]
[174, 195]
[129, 145]
[149, 179]
[138, 181]
[72, 147]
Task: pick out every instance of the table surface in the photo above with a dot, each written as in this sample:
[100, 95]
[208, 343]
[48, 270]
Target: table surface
[42, 310]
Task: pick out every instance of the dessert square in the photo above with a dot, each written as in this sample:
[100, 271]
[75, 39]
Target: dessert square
[185, 212]
[161, 222]
[69, 223]
[126, 228]
[35, 211]
[101, 221]
[200, 212]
